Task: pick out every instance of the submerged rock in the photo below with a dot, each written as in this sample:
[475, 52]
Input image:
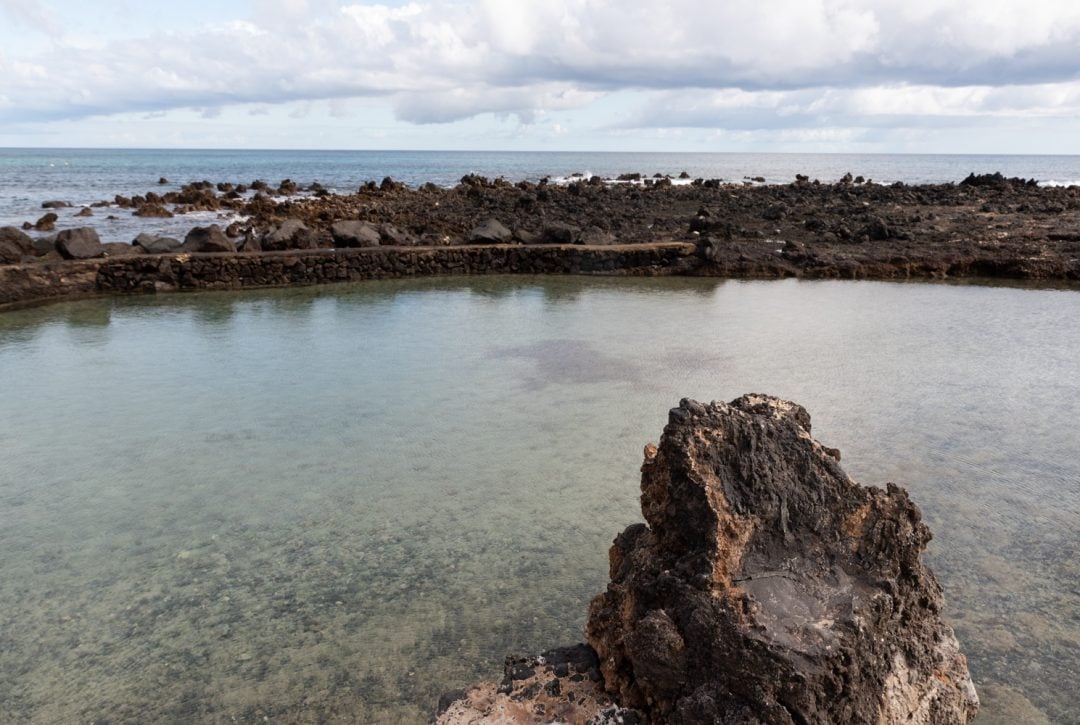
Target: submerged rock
[768, 587]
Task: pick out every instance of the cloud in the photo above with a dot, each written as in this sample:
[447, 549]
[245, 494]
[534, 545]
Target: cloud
[768, 64]
[31, 14]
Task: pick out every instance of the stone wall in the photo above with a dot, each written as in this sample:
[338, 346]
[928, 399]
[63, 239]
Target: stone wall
[150, 273]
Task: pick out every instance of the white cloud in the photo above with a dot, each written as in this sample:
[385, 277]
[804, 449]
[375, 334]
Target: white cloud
[769, 64]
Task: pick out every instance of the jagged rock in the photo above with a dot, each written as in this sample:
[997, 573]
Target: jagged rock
[80, 243]
[290, 234]
[490, 232]
[46, 223]
[153, 244]
[207, 239]
[353, 233]
[597, 237]
[768, 586]
[392, 236]
[559, 233]
[154, 211]
[558, 686]
[14, 245]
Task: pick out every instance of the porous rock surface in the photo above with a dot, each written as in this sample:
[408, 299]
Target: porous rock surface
[767, 586]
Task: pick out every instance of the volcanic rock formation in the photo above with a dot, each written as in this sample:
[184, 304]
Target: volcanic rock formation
[766, 587]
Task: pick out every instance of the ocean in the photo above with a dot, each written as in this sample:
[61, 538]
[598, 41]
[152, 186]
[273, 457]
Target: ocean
[29, 177]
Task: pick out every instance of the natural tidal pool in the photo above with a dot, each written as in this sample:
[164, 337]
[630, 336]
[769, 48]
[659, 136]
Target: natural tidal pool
[333, 504]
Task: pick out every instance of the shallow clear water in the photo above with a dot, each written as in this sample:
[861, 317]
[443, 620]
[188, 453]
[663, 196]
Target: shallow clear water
[333, 504]
[29, 177]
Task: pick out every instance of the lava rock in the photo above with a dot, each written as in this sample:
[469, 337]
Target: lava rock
[79, 243]
[290, 234]
[490, 232]
[153, 244]
[153, 211]
[46, 223]
[770, 587]
[354, 233]
[14, 245]
[207, 240]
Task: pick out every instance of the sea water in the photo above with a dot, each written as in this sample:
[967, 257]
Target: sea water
[30, 177]
[333, 504]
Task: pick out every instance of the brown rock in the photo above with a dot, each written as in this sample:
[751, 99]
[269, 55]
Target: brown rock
[14, 245]
[354, 233]
[770, 587]
[46, 223]
[207, 239]
[80, 243]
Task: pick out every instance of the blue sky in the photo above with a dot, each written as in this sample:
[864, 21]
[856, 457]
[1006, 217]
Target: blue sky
[938, 76]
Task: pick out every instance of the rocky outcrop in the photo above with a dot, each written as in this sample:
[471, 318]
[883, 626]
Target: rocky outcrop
[491, 231]
[207, 239]
[290, 234]
[769, 587]
[80, 243]
[14, 245]
[354, 233]
[558, 686]
[153, 244]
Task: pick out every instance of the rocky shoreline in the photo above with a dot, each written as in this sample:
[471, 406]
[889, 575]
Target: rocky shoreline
[985, 226]
[766, 586]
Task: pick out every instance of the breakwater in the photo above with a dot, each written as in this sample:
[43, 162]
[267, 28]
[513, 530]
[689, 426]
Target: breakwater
[34, 282]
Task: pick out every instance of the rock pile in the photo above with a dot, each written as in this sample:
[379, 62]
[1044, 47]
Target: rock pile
[766, 587]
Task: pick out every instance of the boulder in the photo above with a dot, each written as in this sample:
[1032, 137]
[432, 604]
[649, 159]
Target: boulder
[153, 211]
[597, 237]
[85, 212]
[153, 244]
[490, 232]
[354, 233]
[290, 234]
[559, 233]
[766, 586]
[46, 223]
[392, 236]
[55, 205]
[14, 245]
[207, 239]
[119, 249]
[769, 586]
[251, 244]
[79, 243]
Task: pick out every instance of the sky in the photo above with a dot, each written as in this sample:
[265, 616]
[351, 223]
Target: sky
[861, 76]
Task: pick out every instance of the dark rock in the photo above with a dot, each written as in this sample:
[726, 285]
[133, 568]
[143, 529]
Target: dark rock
[55, 205]
[684, 175]
[80, 243]
[770, 587]
[207, 240]
[876, 229]
[46, 223]
[392, 236]
[85, 212]
[119, 249]
[153, 211]
[290, 234]
[628, 177]
[354, 233]
[14, 245]
[490, 232]
[559, 233]
[251, 244]
[153, 244]
[45, 245]
[597, 237]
